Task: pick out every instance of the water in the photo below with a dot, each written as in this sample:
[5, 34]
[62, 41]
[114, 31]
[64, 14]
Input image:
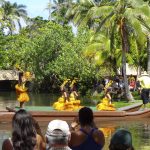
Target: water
[140, 129]
[140, 132]
[36, 99]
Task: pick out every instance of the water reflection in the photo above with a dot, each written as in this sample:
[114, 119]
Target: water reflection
[39, 99]
[108, 131]
[140, 131]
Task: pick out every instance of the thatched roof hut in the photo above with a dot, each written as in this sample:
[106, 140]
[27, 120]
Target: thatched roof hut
[8, 75]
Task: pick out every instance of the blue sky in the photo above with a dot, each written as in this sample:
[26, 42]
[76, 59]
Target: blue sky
[37, 8]
[34, 7]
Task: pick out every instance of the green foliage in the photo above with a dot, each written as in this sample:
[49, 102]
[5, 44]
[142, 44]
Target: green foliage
[50, 49]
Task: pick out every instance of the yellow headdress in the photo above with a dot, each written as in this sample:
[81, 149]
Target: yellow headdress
[65, 82]
[27, 75]
[108, 85]
[73, 82]
[18, 67]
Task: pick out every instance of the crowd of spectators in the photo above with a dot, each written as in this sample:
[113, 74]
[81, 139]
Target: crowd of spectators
[81, 134]
[117, 86]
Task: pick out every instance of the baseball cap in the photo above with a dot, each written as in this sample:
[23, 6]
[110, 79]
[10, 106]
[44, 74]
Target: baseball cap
[59, 125]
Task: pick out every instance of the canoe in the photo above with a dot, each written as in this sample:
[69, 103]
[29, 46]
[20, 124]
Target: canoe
[131, 108]
[42, 113]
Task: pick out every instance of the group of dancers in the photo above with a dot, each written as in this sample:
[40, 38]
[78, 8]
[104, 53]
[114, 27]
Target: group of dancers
[69, 99]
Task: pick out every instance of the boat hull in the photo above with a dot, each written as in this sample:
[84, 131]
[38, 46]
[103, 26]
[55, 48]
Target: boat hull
[6, 116]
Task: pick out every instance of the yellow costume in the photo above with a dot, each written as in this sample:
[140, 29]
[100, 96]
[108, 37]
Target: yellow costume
[105, 105]
[21, 91]
[106, 101]
[70, 105]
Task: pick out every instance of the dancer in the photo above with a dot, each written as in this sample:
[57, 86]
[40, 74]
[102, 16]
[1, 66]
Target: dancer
[106, 103]
[65, 89]
[21, 88]
[73, 90]
[60, 104]
[66, 102]
[74, 95]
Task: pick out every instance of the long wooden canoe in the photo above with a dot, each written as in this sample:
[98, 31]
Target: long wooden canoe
[131, 108]
[47, 115]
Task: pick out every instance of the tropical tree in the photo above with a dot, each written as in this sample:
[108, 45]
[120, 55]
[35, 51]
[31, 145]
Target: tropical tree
[57, 11]
[146, 24]
[122, 17]
[79, 11]
[12, 13]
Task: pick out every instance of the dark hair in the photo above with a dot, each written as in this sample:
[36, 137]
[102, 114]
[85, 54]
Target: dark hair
[121, 140]
[20, 77]
[24, 134]
[86, 116]
[38, 129]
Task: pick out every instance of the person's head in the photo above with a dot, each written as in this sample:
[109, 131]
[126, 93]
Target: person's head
[58, 133]
[121, 140]
[85, 116]
[24, 133]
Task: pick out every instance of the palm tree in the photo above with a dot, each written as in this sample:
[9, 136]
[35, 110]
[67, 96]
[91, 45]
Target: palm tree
[57, 11]
[80, 14]
[148, 40]
[122, 18]
[12, 13]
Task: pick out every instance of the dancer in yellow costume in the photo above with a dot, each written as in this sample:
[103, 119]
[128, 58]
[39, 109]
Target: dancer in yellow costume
[21, 89]
[60, 104]
[66, 102]
[106, 103]
[74, 95]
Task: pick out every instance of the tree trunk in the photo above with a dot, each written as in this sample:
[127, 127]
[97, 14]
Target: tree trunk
[148, 54]
[125, 48]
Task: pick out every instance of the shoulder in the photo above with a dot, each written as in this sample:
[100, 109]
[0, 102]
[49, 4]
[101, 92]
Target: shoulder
[77, 137]
[7, 145]
[40, 143]
[75, 134]
[99, 137]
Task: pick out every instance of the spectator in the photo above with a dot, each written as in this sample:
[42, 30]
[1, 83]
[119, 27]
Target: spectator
[121, 140]
[57, 135]
[88, 137]
[23, 134]
[144, 80]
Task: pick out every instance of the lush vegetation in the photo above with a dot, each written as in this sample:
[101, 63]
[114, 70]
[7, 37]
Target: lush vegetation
[110, 34]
